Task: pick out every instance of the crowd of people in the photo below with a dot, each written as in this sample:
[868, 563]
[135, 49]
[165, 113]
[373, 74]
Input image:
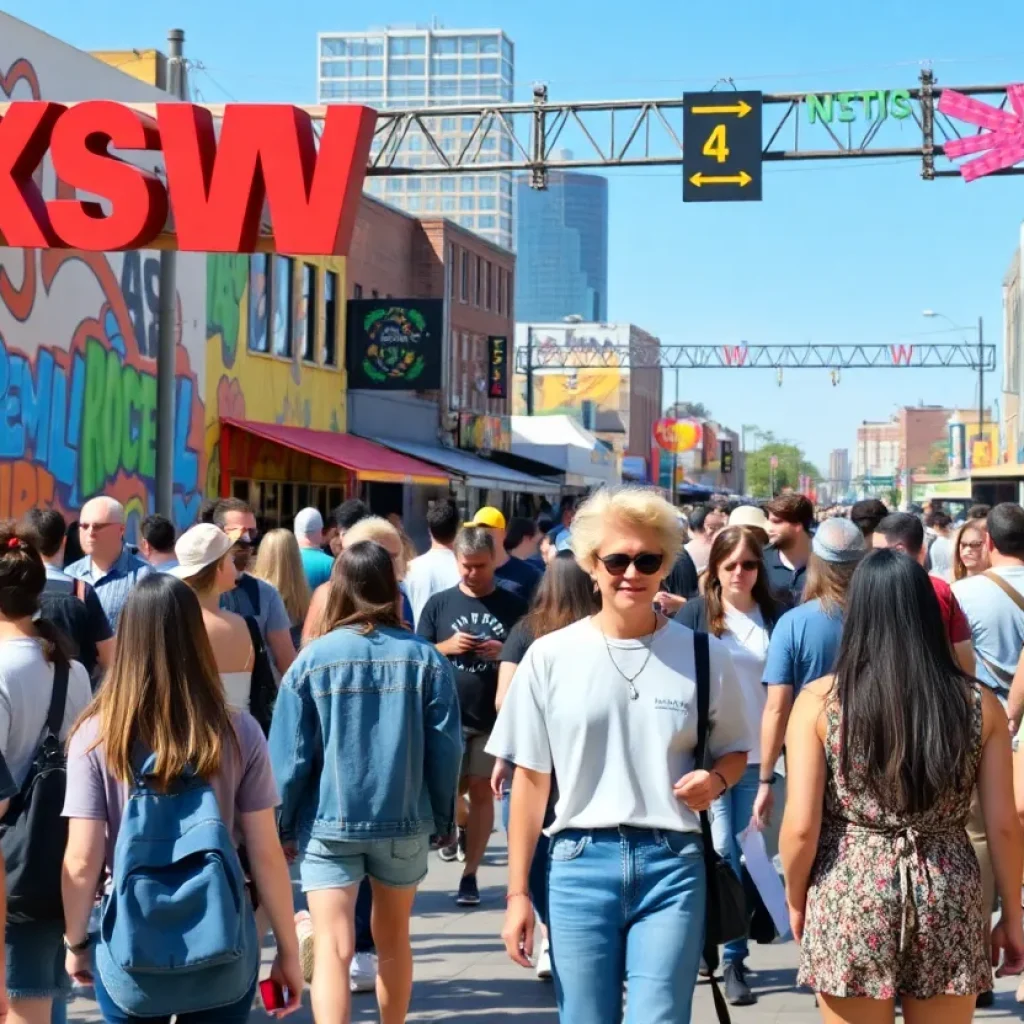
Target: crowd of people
[638, 690]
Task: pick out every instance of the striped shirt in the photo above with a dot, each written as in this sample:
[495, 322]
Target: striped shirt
[114, 586]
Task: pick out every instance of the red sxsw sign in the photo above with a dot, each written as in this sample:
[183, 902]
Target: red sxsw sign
[215, 188]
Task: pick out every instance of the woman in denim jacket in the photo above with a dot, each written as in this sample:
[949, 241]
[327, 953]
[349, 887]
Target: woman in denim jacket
[366, 745]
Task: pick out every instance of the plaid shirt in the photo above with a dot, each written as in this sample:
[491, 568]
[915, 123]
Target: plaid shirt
[114, 586]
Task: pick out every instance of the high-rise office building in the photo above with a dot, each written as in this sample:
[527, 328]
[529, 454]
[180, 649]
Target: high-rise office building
[562, 248]
[400, 68]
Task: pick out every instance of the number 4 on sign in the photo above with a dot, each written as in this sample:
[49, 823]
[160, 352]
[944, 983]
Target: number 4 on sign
[716, 145]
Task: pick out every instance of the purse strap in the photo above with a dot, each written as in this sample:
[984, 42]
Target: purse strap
[702, 663]
[58, 698]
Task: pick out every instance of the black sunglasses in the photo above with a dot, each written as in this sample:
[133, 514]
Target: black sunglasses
[747, 565]
[647, 563]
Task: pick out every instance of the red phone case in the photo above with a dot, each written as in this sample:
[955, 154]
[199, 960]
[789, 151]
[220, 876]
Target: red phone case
[272, 995]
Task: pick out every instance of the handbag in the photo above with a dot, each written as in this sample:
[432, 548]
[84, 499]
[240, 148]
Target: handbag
[32, 833]
[726, 911]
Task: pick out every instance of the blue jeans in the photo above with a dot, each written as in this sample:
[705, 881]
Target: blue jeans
[730, 814]
[236, 1013]
[538, 880]
[625, 904]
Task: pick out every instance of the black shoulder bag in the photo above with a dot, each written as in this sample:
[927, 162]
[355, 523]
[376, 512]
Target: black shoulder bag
[32, 833]
[726, 917]
[263, 687]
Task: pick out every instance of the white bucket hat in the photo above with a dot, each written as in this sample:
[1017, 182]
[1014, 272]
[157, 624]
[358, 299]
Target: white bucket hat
[199, 547]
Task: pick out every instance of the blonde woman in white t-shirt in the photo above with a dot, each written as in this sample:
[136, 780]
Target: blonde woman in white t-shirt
[609, 706]
[738, 608]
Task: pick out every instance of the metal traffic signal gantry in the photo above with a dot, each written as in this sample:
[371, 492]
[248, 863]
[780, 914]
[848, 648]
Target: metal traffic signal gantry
[649, 132]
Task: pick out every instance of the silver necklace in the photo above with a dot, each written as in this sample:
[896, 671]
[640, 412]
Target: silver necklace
[648, 642]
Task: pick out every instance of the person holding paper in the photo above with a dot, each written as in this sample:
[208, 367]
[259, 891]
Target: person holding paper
[739, 608]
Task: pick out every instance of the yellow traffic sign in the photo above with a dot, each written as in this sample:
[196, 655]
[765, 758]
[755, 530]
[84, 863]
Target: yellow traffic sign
[740, 109]
[722, 147]
[742, 179]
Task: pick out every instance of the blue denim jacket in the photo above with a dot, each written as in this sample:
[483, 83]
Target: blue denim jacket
[366, 740]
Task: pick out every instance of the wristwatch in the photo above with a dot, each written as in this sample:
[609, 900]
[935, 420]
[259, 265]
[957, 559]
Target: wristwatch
[78, 947]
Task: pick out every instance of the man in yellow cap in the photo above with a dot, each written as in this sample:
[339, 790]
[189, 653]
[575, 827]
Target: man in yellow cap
[510, 573]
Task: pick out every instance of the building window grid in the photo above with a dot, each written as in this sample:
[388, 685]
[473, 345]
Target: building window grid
[307, 313]
[330, 318]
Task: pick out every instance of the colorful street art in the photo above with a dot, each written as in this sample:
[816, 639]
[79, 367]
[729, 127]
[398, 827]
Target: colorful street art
[78, 338]
[246, 342]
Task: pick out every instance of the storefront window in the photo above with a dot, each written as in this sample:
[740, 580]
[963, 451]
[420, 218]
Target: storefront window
[330, 319]
[282, 306]
[259, 303]
[306, 315]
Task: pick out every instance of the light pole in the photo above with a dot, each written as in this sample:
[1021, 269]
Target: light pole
[931, 313]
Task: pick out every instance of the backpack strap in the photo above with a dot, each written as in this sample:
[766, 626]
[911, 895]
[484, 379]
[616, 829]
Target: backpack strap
[251, 588]
[59, 697]
[702, 663]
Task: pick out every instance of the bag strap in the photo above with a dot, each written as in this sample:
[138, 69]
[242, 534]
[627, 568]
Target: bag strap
[59, 697]
[1013, 594]
[702, 662]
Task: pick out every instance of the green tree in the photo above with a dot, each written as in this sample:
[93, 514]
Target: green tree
[791, 466]
[938, 458]
[688, 410]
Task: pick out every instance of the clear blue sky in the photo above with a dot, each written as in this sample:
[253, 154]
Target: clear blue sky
[842, 254]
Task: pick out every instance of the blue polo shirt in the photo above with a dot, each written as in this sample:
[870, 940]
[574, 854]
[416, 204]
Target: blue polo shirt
[115, 585]
[803, 646]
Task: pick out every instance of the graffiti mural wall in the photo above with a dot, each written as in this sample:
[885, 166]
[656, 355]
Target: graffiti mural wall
[275, 329]
[78, 337]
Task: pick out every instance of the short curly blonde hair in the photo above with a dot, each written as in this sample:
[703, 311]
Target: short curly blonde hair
[376, 528]
[639, 507]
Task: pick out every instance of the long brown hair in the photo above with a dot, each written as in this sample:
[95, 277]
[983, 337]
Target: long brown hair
[828, 583]
[565, 595]
[730, 540]
[163, 691]
[22, 580]
[364, 591]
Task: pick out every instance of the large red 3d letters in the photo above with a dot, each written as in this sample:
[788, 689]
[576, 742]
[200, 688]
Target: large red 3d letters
[215, 188]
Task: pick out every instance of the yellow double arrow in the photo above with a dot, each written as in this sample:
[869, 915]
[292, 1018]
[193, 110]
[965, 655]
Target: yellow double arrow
[740, 109]
[742, 179]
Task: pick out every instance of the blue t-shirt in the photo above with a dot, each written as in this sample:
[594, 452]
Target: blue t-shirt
[518, 577]
[318, 566]
[803, 646]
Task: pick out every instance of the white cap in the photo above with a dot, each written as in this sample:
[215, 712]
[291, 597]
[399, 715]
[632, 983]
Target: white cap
[199, 547]
[308, 521]
[749, 515]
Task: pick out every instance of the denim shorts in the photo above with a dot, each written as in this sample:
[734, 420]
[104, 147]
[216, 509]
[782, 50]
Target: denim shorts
[336, 864]
[35, 961]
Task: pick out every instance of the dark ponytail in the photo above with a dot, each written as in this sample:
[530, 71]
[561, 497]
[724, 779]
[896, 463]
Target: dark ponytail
[22, 580]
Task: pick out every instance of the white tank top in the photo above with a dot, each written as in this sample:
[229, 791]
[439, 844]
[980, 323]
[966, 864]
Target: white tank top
[237, 687]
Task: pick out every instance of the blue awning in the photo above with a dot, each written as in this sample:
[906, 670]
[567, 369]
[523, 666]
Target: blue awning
[476, 472]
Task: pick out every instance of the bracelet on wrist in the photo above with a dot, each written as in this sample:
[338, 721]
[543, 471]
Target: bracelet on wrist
[78, 947]
[515, 895]
[722, 779]
[767, 782]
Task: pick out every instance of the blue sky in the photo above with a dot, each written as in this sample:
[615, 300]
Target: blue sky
[848, 253]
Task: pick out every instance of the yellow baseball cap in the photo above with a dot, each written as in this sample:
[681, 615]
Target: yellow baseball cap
[489, 517]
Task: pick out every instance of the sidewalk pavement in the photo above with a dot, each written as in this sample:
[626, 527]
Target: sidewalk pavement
[463, 973]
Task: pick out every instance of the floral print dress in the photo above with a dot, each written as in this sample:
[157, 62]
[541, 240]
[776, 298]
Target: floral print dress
[895, 902]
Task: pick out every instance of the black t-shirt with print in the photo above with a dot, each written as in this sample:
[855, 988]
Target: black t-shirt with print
[492, 618]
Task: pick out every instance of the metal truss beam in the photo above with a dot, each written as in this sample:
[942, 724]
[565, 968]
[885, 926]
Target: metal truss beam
[757, 357]
[645, 133]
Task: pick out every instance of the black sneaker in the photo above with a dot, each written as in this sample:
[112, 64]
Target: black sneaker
[737, 991]
[985, 1000]
[469, 892]
[460, 842]
[449, 853]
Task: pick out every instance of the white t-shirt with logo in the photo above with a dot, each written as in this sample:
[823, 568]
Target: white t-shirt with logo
[429, 574]
[746, 640]
[616, 759]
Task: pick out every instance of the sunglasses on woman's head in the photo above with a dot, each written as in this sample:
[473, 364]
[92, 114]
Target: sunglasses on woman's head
[647, 562]
[748, 565]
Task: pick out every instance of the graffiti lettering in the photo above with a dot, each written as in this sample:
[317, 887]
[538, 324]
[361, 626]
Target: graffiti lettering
[226, 278]
[140, 283]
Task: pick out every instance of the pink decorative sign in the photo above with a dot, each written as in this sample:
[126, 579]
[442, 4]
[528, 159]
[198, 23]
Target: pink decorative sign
[1001, 143]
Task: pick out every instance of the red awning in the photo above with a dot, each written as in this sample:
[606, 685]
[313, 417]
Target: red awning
[372, 463]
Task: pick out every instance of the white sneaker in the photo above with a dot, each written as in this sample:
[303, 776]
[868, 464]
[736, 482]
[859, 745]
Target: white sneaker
[363, 973]
[544, 962]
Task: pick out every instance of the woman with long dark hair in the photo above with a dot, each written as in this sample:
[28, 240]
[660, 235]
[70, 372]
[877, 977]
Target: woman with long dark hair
[366, 744]
[31, 655]
[163, 698]
[883, 886]
[566, 594]
[739, 608]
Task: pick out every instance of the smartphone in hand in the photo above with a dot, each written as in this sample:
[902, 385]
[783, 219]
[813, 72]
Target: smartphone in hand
[272, 995]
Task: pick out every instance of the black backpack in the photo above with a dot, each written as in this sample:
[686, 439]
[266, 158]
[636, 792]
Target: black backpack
[263, 688]
[32, 832]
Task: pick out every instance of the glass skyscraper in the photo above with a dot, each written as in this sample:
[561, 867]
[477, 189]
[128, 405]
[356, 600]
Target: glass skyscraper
[418, 68]
[562, 248]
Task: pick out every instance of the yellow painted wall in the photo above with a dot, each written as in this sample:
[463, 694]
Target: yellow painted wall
[148, 66]
[248, 385]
